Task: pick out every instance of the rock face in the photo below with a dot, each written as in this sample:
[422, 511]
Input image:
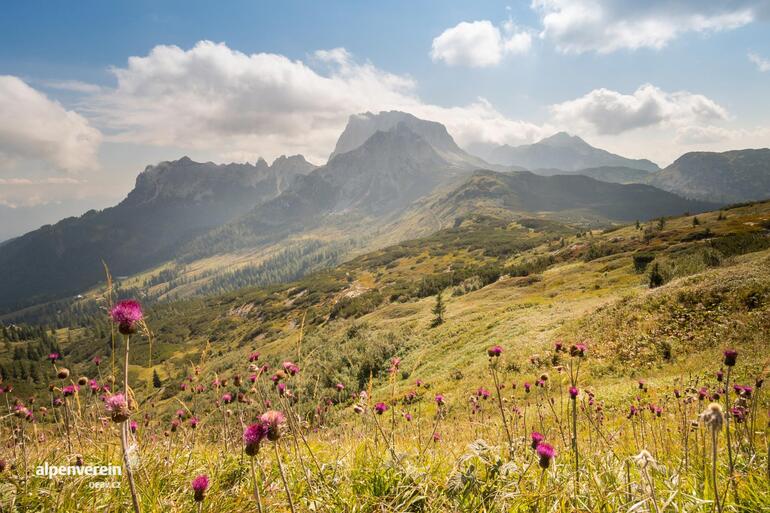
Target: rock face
[171, 204]
[729, 177]
[565, 152]
[613, 174]
[361, 127]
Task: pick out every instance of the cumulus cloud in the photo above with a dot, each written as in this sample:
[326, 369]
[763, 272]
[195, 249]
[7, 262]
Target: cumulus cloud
[761, 63]
[34, 127]
[479, 44]
[609, 112]
[577, 26]
[211, 97]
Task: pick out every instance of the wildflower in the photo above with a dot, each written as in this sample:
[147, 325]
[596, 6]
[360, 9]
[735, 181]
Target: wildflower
[281, 388]
[395, 362]
[117, 407]
[702, 393]
[632, 411]
[63, 373]
[643, 459]
[57, 402]
[340, 387]
[274, 421]
[253, 357]
[133, 426]
[290, 368]
[380, 408]
[483, 393]
[194, 422]
[677, 393]
[720, 375]
[126, 314]
[183, 386]
[359, 409]
[558, 346]
[494, 351]
[180, 413]
[418, 383]
[440, 400]
[97, 360]
[577, 350]
[199, 485]
[237, 380]
[731, 355]
[53, 357]
[642, 384]
[174, 425]
[3, 464]
[546, 453]
[759, 381]
[527, 386]
[408, 417]
[573, 392]
[227, 398]
[536, 439]
[713, 417]
[436, 437]
[253, 436]
[253, 378]
[738, 413]
[745, 391]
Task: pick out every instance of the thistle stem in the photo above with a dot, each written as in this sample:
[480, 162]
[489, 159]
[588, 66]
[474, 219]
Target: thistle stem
[283, 478]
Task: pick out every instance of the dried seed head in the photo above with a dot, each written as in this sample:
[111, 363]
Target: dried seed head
[713, 417]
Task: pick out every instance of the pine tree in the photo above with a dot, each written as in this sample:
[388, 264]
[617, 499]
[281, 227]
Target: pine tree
[438, 310]
[156, 382]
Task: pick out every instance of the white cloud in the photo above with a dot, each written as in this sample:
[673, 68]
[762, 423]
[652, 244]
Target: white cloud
[761, 63]
[211, 97]
[33, 127]
[479, 44]
[577, 26]
[609, 112]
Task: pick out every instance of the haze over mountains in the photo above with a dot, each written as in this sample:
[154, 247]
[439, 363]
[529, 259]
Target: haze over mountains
[562, 151]
[391, 174]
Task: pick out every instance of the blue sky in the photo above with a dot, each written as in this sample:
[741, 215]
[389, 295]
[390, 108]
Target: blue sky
[647, 79]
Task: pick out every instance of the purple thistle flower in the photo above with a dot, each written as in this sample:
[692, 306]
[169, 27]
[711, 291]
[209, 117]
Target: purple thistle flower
[281, 388]
[573, 392]
[440, 400]
[253, 357]
[340, 387]
[483, 393]
[290, 368]
[199, 485]
[720, 375]
[133, 426]
[731, 355]
[536, 439]
[194, 422]
[702, 393]
[126, 314]
[69, 390]
[408, 417]
[546, 453]
[253, 436]
[53, 357]
[436, 437]
[494, 351]
[577, 350]
[380, 408]
[227, 398]
[527, 386]
[274, 421]
[117, 407]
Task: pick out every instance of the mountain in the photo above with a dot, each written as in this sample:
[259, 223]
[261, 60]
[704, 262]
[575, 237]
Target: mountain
[377, 179]
[560, 196]
[614, 174]
[18, 220]
[563, 151]
[361, 127]
[729, 177]
[171, 203]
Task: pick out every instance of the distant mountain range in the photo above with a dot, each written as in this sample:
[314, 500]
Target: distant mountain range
[562, 151]
[392, 176]
[729, 177]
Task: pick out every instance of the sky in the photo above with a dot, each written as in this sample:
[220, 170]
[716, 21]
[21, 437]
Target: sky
[91, 92]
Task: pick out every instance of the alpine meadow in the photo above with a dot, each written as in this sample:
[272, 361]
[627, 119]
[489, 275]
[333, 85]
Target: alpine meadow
[408, 257]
